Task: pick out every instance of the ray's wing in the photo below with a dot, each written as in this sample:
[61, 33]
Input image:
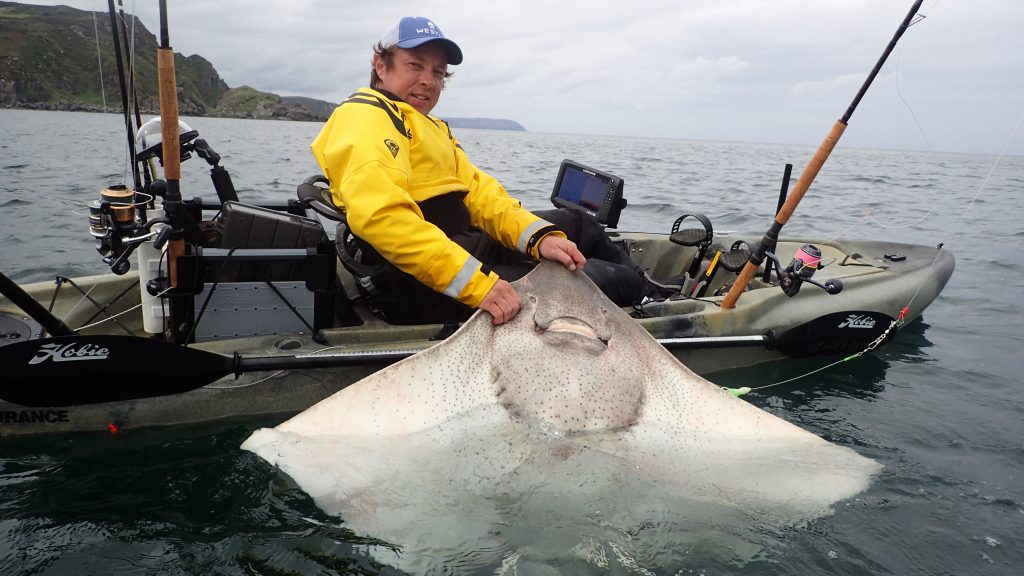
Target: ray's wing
[414, 394]
[698, 437]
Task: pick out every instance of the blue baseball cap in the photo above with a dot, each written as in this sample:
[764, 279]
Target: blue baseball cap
[413, 31]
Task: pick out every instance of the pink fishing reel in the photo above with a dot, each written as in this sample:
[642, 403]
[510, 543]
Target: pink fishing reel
[804, 264]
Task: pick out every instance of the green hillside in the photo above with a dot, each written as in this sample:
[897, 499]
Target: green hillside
[48, 59]
[48, 56]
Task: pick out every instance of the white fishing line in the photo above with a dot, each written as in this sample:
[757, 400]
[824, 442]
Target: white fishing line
[938, 254]
[920, 129]
[119, 314]
[99, 60]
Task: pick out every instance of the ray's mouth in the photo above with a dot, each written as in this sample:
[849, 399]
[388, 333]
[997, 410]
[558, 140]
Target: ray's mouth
[572, 328]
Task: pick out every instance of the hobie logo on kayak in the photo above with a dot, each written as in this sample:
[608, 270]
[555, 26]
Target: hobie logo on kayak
[857, 321]
[69, 353]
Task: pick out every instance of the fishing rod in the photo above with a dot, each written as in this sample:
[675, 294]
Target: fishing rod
[771, 237]
[129, 54]
[168, 90]
[75, 370]
[118, 58]
[133, 89]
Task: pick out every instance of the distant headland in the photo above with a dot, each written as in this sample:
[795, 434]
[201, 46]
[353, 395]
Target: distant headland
[485, 123]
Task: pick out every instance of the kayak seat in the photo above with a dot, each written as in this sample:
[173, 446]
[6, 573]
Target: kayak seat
[358, 258]
[315, 194]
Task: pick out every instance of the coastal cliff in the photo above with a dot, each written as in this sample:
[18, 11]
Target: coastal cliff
[62, 58]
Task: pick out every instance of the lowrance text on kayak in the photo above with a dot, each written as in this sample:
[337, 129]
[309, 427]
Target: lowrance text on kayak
[34, 416]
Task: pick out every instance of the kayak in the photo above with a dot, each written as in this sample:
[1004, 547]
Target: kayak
[258, 310]
[283, 323]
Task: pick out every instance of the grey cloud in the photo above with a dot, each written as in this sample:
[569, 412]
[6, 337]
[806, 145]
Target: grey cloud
[755, 70]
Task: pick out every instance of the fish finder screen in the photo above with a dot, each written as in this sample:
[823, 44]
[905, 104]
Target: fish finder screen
[593, 191]
[583, 189]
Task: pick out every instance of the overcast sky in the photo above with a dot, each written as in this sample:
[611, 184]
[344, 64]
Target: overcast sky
[749, 70]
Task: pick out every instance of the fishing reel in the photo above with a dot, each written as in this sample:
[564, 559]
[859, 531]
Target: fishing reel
[111, 220]
[802, 267]
[117, 221]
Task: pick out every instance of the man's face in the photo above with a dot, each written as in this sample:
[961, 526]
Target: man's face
[416, 75]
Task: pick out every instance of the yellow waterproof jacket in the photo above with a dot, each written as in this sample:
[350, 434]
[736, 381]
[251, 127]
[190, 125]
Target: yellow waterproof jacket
[382, 157]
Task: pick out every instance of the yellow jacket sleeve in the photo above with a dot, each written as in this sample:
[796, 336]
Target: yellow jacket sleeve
[503, 217]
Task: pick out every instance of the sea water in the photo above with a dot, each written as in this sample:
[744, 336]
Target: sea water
[939, 407]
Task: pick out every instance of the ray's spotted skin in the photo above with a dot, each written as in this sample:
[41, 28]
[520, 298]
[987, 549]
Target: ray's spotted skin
[568, 409]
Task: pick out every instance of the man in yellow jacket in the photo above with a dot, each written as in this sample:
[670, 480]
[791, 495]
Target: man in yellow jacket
[409, 190]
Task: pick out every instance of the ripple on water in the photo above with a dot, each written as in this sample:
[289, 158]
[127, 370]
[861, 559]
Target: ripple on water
[938, 408]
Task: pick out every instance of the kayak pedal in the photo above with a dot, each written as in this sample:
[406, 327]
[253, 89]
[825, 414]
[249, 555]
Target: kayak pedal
[693, 237]
[736, 257]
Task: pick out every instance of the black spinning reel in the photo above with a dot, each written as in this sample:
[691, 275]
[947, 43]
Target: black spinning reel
[118, 219]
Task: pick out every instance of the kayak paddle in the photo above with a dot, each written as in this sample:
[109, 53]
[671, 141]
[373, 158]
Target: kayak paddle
[74, 370]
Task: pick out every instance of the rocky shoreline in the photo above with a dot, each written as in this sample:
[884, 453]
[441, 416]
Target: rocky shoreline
[285, 114]
[58, 107]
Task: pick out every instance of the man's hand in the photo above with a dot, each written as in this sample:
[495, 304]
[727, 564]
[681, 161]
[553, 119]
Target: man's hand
[561, 250]
[501, 302]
